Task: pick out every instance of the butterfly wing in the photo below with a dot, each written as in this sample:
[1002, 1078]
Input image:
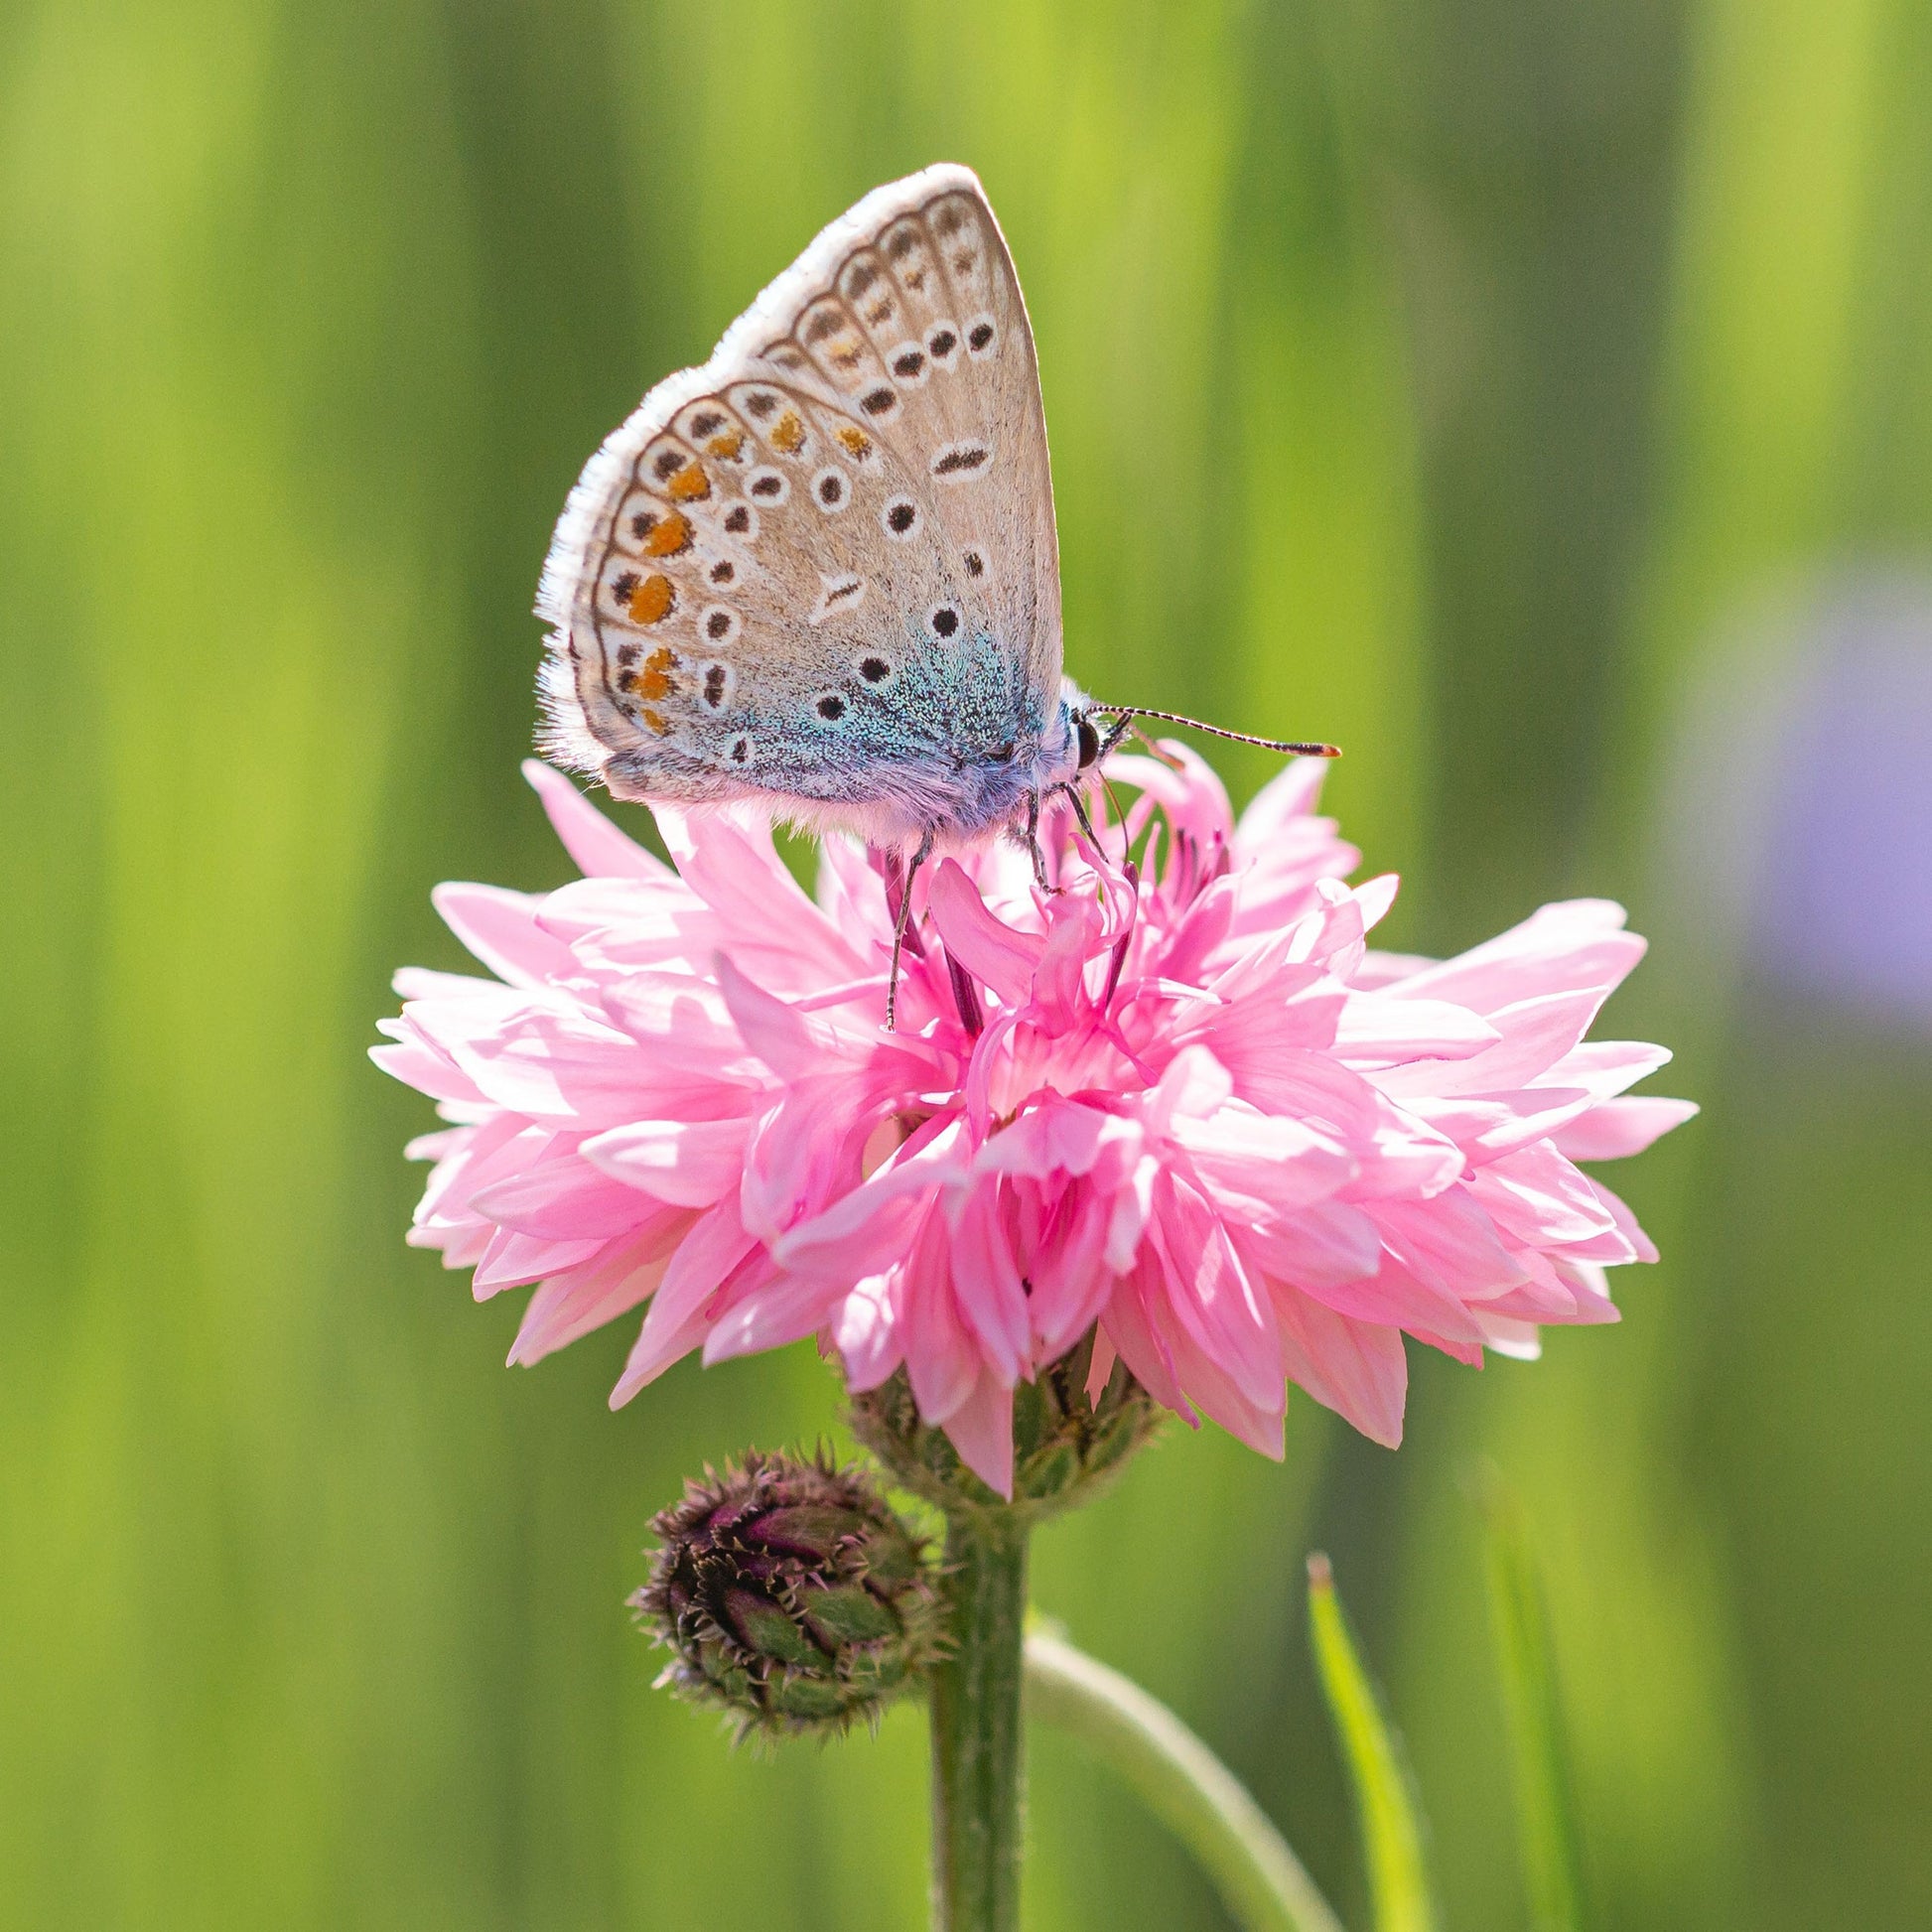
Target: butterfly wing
[822, 569]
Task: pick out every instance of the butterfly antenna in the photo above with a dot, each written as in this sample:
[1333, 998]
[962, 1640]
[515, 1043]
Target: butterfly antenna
[1125, 837]
[1287, 748]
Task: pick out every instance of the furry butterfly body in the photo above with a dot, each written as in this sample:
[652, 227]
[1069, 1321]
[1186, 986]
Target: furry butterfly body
[821, 570]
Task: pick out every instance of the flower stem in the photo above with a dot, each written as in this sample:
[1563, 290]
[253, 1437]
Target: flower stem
[978, 1741]
[1262, 1883]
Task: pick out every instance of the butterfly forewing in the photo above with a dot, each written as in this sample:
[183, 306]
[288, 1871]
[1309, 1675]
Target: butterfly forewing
[822, 567]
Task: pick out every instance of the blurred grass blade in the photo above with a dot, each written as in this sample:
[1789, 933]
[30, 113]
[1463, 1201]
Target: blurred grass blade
[1385, 1797]
[1546, 1813]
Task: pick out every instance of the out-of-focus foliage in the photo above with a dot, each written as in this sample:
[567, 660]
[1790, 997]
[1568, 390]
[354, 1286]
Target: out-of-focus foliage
[1386, 1806]
[1548, 1838]
[1451, 377]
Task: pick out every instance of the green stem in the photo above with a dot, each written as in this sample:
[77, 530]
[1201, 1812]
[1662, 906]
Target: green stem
[1262, 1883]
[978, 1741]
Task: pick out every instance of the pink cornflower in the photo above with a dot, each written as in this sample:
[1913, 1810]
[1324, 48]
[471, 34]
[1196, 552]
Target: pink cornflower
[1182, 1101]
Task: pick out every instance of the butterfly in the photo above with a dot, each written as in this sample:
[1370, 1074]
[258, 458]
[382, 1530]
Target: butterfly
[821, 571]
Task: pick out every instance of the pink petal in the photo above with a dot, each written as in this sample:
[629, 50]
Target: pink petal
[547, 1058]
[1536, 1196]
[766, 1307]
[1536, 1035]
[1100, 1367]
[1356, 1368]
[1070, 1274]
[1607, 1066]
[1324, 1246]
[691, 1164]
[992, 951]
[987, 1288]
[1274, 812]
[1396, 1297]
[1487, 1126]
[513, 1260]
[865, 1232]
[1260, 1163]
[1577, 945]
[1449, 1241]
[981, 1429]
[1518, 1339]
[770, 925]
[1626, 1222]
[703, 1265]
[1382, 1028]
[1058, 1137]
[1130, 1329]
[1375, 897]
[1209, 1295]
[803, 1151]
[500, 928]
[866, 1332]
[419, 1062]
[563, 1200]
[586, 834]
[1619, 1127]
[571, 1304]
[943, 1361]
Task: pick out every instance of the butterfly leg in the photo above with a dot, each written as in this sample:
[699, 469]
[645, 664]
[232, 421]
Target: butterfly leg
[902, 918]
[1080, 805]
[1032, 840]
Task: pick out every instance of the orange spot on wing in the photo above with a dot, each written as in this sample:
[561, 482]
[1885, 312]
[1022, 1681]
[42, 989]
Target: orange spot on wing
[727, 445]
[654, 680]
[690, 484]
[855, 440]
[652, 600]
[655, 721]
[789, 433]
[669, 536]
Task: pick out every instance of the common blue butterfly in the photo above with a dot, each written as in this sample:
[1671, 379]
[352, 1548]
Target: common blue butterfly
[821, 570]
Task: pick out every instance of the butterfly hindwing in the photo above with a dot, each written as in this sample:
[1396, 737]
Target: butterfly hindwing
[821, 567]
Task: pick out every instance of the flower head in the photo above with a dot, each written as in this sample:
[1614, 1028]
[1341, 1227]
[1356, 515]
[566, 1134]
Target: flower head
[790, 1597]
[1178, 1103]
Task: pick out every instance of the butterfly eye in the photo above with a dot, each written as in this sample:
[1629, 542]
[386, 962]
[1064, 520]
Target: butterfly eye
[1089, 741]
[1003, 756]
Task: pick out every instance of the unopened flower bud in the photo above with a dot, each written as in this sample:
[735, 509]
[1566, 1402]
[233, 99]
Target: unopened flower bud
[793, 1597]
[1066, 1447]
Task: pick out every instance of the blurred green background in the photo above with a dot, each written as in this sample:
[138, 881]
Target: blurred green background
[1461, 379]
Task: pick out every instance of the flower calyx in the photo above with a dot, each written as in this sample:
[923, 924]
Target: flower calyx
[1067, 1445]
